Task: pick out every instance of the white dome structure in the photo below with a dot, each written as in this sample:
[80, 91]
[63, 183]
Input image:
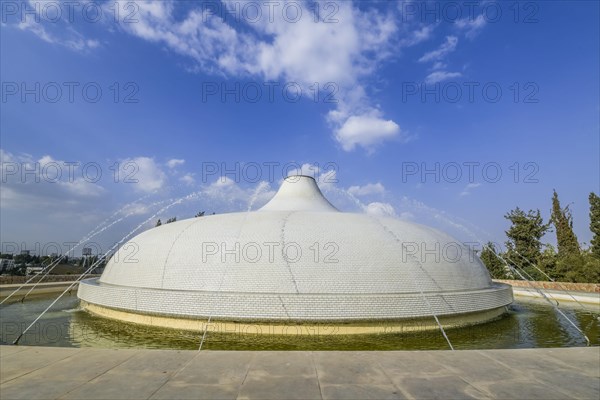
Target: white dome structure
[298, 260]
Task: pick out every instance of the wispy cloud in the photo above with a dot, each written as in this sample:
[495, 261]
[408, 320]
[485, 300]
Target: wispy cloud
[66, 37]
[471, 27]
[440, 76]
[188, 179]
[227, 195]
[326, 178]
[175, 162]
[445, 48]
[437, 57]
[469, 188]
[417, 35]
[380, 209]
[366, 190]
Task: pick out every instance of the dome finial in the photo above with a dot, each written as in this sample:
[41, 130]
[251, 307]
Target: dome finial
[299, 193]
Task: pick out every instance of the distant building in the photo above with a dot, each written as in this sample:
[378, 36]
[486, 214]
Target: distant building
[25, 252]
[34, 270]
[87, 251]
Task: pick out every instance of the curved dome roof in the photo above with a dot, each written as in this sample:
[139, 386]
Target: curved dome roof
[297, 243]
[297, 258]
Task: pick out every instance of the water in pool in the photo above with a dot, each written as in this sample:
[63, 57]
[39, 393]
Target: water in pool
[528, 324]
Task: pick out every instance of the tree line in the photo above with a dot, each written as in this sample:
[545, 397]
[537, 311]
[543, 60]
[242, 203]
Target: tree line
[525, 257]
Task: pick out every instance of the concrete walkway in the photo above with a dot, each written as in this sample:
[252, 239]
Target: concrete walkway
[40, 288]
[591, 299]
[66, 373]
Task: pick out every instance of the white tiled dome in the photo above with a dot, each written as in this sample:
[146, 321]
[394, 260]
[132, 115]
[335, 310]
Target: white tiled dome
[296, 258]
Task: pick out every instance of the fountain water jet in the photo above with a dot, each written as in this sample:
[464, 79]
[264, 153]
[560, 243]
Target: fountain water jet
[94, 265]
[94, 232]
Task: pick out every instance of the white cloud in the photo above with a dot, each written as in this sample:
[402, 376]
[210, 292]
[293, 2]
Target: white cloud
[472, 27]
[307, 170]
[325, 178]
[435, 218]
[222, 182]
[92, 44]
[136, 208]
[146, 173]
[436, 56]
[438, 65]
[30, 24]
[56, 193]
[83, 188]
[46, 183]
[440, 76]
[188, 179]
[46, 160]
[380, 209]
[470, 186]
[303, 51]
[309, 50]
[445, 48]
[367, 131]
[175, 162]
[418, 35]
[68, 38]
[368, 189]
[225, 194]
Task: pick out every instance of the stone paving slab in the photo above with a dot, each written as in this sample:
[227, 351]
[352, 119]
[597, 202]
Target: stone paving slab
[31, 359]
[67, 373]
[83, 365]
[174, 390]
[361, 392]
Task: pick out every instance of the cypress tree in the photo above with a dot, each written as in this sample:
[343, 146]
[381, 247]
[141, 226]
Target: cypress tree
[563, 224]
[490, 259]
[595, 224]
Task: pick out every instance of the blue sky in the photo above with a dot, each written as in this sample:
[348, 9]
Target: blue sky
[387, 76]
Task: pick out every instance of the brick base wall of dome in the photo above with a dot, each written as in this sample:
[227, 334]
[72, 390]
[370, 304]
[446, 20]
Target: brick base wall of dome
[292, 307]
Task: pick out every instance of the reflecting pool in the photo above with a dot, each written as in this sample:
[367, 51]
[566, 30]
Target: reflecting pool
[529, 323]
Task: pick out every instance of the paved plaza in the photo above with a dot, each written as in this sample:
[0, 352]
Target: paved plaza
[85, 373]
